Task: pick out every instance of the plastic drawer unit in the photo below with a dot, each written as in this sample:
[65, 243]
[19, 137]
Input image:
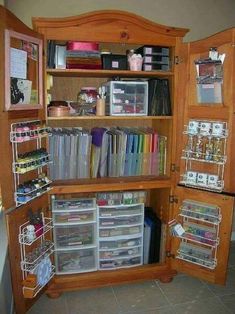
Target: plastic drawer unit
[76, 261]
[75, 235]
[120, 230]
[127, 98]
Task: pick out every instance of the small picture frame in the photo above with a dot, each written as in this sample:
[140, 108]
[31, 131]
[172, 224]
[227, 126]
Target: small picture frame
[23, 72]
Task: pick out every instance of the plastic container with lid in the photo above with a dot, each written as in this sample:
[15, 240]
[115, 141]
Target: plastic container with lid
[58, 109]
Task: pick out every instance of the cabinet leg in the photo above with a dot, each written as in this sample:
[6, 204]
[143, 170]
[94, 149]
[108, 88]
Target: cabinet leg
[53, 295]
[166, 279]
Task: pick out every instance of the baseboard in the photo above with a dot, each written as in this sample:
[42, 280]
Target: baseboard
[233, 236]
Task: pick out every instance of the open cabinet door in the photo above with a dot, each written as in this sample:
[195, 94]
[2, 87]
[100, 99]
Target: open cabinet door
[202, 250]
[21, 112]
[30, 254]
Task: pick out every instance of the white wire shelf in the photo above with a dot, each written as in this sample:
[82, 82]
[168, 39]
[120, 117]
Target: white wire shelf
[211, 264]
[205, 218]
[31, 266]
[28, 130]
[30, 293]
[210, 132]
[200, 240]
[21, 137]
[23, 235]
[218, 188]
[18, 202]
[27, 166]
[215, 159]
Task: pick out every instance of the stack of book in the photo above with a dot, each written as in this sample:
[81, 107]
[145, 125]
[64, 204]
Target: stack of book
[100, 152]
[83, 55]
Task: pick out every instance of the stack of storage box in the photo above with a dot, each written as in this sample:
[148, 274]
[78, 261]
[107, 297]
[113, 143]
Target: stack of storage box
[75, 235]
[156, 58]
[83, 55]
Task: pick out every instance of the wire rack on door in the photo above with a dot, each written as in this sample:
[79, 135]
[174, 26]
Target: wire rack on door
[36, 251]
[33, 158]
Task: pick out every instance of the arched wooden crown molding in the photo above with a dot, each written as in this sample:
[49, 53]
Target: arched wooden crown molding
[110, 23]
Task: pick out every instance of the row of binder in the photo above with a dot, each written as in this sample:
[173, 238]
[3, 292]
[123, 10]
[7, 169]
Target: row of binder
[79, 153]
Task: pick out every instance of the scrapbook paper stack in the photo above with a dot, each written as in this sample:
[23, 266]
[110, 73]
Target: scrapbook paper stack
[83, 55]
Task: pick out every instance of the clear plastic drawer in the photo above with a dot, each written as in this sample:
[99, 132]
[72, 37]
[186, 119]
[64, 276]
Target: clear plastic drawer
[127, 98]
[122, 253]
[120, 221]
[74, 217]
[120, 232]
[120, 263]
[73, 204]
[75, 261]
[123, 243]
[74, 236]
[121, 211]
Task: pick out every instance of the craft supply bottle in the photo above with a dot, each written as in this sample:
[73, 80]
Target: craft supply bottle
[30, 233]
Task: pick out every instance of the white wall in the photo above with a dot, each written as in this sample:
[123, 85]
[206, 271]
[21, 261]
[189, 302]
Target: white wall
[202, 17]
[6, 302]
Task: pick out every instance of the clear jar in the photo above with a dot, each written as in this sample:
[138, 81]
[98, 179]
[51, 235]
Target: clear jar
[87, 95]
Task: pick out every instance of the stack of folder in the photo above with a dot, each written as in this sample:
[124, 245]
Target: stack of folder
[64, 145]
[100, 152]
[83, 55]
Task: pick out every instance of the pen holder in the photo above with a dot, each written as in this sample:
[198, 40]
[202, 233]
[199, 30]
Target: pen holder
[100, 107]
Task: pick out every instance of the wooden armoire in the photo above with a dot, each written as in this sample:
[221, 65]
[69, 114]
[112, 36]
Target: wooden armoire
[173, 196]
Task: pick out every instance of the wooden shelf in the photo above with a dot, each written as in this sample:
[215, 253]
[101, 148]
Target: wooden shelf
[110, 118]
[114, 184]
[63, 283]
[211, 112]
[106, 73]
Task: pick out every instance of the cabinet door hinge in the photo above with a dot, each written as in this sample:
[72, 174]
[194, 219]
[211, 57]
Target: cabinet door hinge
[173, 199]
[169, 254]
[174, 168]
[178, 60]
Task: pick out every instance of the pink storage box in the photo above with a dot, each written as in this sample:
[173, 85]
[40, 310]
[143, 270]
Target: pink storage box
[82, 46]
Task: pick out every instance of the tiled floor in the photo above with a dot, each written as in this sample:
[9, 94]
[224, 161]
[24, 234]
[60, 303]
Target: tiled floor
[184, 295]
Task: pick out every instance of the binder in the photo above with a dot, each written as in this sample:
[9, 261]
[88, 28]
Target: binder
[159, 98]
[83, 153]
[146, 153]
[112, 154]
[129, 156]
[79, 153]
[67, 154]
[51, 54]
[154, 155]
[155, 236]
[73, 156]
[104, 155]
[146, 241]
[140, 154]
[134, 154]
[126, 162]
[122, 152]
